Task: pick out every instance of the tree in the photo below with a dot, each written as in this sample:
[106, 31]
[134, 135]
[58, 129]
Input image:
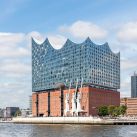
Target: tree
[111, 109]
[103, 111]
[116, 112]
[123, 109]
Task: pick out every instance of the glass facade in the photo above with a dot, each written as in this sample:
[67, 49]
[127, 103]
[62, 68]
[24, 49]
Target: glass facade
[134, 86]
[96, 64]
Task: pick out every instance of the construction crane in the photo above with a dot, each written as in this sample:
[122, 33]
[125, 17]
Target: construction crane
[78, 100]
[74, 100]
[67, 100]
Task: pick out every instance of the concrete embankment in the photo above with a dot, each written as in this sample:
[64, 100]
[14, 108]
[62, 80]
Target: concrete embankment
[75, 120]
[6, 122]
[63, 120]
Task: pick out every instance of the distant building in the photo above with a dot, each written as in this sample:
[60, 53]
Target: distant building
[131, 104]
[25, 112]
[30, 104]
[2, 113]
[10, 111]
[134, 86]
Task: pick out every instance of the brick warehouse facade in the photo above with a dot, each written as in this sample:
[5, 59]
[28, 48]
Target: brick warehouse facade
[52, 104]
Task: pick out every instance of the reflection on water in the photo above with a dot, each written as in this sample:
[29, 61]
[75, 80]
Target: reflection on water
[20, 130]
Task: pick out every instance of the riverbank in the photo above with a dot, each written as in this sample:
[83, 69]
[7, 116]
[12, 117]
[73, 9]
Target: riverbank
[74, 120]
[61, 120]
[6, 121]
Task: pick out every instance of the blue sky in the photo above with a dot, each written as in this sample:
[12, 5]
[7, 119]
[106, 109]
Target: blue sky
[47, 15]
[101, 20]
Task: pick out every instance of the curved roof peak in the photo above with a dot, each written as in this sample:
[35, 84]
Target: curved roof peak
[32, 39]
[46, 40]
[37, 41]
[87, 41]
[68, 41]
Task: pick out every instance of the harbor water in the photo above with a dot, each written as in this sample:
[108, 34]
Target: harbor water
[27, 130]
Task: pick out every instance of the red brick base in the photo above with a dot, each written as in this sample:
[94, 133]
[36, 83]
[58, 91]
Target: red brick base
[91, 99]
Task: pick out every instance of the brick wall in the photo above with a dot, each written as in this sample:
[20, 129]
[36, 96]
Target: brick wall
[98, 97]
[91, 99]
[34, 104]
[55, 103]
[43, 104]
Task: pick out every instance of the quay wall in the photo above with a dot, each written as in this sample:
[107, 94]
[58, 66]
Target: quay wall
[76, 120]
[61, 120]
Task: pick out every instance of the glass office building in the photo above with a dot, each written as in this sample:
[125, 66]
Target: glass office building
[134, 85]
[95, 64]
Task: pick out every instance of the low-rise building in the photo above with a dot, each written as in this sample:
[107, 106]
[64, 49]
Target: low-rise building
[2, 113]
[25, 112]
[131, 104]
[10, 111]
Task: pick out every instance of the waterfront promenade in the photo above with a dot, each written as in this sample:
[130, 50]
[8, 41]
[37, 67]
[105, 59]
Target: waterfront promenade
[77, 120]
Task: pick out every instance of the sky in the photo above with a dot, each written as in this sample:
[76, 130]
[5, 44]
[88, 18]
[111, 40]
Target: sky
[103, 21]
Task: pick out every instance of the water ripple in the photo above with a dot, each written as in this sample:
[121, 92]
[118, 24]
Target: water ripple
[20, 130]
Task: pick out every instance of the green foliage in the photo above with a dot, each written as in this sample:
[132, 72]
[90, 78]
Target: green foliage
[103, 111]
[116, 112]
[111, 110]
[123, 109]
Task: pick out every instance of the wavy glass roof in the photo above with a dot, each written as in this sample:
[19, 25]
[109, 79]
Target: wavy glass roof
[88, 40]
[96, 64]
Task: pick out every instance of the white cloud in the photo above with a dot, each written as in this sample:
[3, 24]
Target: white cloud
[128, 63]
[83, 29]
[14, 67]
[13, 97]
[128, 32]
[8, 51]
[11, 45]
[11, 38]
[38, 37]
[125, 85]
[57, 41]
[12, 86]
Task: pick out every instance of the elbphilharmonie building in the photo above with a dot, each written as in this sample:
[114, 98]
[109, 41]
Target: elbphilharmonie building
[89, 73]
[96, 64]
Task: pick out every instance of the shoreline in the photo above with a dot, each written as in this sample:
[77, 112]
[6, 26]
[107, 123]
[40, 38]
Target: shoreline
[74, 120]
